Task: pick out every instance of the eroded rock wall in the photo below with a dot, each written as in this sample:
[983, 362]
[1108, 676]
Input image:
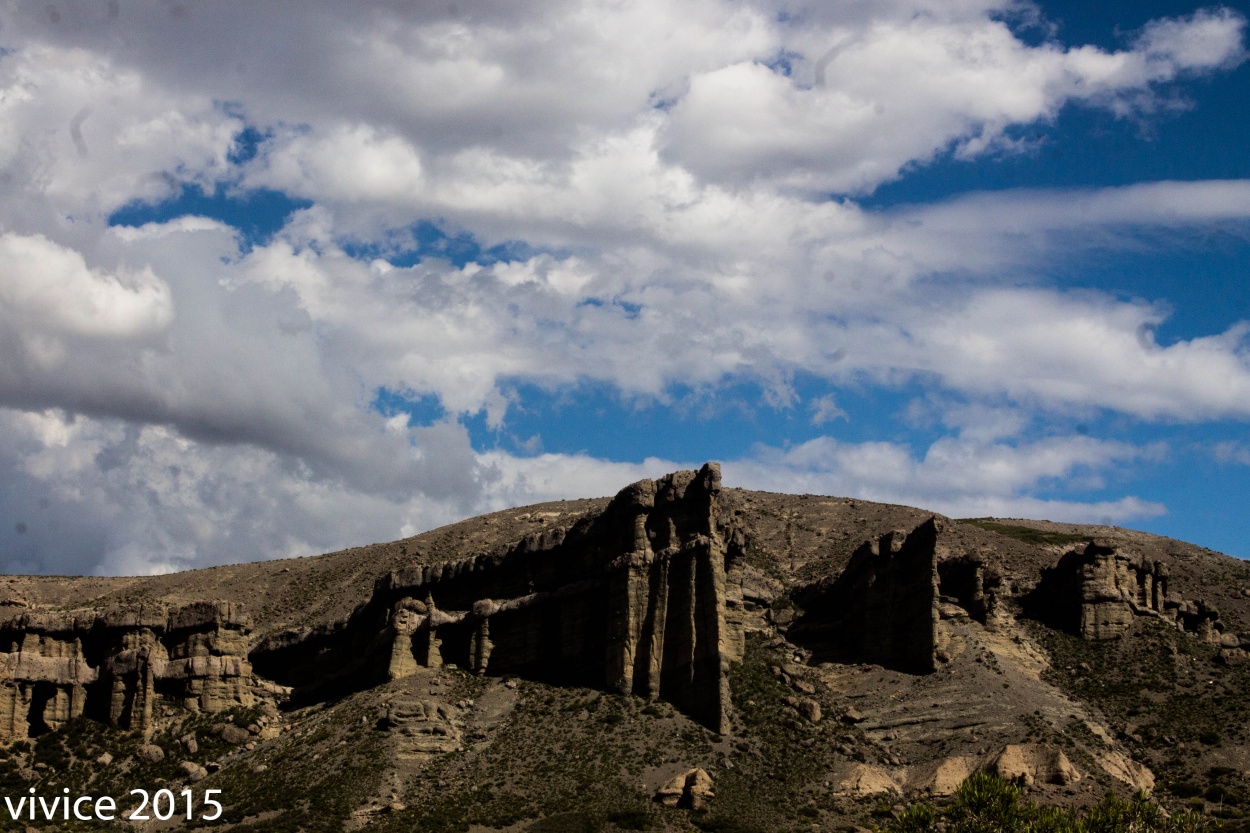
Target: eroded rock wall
[968, 582]
[882, 609]
[1096, 591]
[118, 665]
[644, 598]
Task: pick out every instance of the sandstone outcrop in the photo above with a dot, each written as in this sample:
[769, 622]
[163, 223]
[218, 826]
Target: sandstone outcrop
[941, 777]
[116, 665]
[1031, 763]
[862, 780]
[1097, 591]
[968, 582]
[1136, 775]
[644, 598]
[1026, 764]
[691, 790]
[429, 726]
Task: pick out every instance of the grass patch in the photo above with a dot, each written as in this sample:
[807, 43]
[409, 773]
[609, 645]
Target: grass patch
[1027, 534]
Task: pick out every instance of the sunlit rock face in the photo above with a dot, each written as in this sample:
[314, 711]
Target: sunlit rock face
[119, 665]
[1097, 591]
[644, 598]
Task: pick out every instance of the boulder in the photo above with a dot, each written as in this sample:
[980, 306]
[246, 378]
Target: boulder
[150, 753]
[195, 772]
[234, 735]
[691, 790]
[1231, 656]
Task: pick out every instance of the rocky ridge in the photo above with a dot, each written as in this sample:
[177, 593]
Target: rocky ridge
[928, 650]
[120, 665]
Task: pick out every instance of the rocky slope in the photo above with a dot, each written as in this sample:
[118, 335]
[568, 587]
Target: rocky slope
[683, 653]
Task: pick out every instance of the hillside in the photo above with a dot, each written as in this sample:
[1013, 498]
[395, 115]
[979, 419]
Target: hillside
[821, 662]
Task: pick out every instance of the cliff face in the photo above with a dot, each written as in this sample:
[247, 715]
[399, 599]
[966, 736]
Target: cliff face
[883, 608]
[119, 665]
[1096, 592]
[648, 594]
[644, 598]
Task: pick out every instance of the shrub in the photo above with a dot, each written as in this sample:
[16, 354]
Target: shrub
[987, 804]
[917, 819]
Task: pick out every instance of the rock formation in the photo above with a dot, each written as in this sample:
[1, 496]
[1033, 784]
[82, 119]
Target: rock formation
[430, 725]
[644, 598]
[941, 777]
[883, 608]
[896, 668]
[118, 664]
[968, 582]
[1097, 591]
[861, 780]
[1031, 763]
[690, 790]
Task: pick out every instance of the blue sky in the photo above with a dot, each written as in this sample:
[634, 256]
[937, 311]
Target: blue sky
[391, 266]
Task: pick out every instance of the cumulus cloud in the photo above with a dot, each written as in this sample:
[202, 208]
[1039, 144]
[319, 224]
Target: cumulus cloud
[44, 284]
[893, 93]
[82, 134]
[121, 498]
[661, 174]
[958, 477]
[1086, 351]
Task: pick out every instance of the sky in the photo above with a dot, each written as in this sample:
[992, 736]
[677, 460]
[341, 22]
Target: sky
[280, 278]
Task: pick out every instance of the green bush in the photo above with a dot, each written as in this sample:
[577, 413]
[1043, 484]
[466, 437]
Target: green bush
[917, 819]
[1027, 534]
[987, 804]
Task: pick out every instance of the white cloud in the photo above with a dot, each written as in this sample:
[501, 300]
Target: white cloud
[50, 284]
[184, 403]
[1043, 347]
[1208, 39]
[825, 409]
[1014, 228]
[957, 477]
[351, 164]
[82, 134]
[111, 498]
[894, 93]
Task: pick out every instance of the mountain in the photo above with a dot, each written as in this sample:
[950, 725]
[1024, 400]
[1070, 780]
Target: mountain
[682, 654]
